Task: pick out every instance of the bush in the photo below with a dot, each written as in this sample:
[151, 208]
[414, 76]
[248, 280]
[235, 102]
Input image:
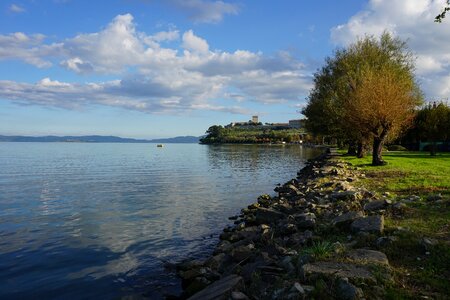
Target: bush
[397, 148]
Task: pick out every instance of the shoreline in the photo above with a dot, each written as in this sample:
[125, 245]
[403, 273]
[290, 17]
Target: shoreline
[314, 232]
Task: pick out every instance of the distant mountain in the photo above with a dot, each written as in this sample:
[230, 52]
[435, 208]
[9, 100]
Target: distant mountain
[179, 139]
[95, 139]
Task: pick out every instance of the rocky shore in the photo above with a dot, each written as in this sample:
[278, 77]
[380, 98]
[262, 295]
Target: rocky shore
[321, 237]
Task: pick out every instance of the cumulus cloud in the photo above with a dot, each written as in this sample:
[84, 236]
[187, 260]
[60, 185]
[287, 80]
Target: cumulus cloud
[155, 78]
[191, 42]
[15, 8]
[140, 94]
[29, 48]
[412, 21]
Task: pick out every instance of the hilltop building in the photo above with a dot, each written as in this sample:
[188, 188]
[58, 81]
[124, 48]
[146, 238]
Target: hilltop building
[296, 124]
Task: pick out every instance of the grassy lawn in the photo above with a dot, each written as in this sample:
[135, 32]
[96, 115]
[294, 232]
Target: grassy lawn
[408, 172]
[419, 270]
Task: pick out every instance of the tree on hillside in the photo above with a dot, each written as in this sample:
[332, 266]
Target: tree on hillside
[371, 88]
[214, 135]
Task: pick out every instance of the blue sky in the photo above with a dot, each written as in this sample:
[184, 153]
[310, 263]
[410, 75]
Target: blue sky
[162, 68]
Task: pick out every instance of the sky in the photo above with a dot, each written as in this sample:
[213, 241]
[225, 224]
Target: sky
[164, 68]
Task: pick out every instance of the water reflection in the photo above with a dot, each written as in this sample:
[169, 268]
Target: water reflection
[77, 220]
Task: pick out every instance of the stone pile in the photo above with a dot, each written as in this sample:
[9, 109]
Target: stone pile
[317, 238]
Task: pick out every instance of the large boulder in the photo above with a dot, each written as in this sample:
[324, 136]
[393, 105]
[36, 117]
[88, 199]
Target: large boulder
[375, 205]
[220, 289]
[347, 291]
[347, 218]
[372, 224]
[366, 256]
[312, 271]
[305, 220]
[267, 215]
[243, 252]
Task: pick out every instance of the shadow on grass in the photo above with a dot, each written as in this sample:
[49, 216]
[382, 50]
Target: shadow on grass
[413, 155]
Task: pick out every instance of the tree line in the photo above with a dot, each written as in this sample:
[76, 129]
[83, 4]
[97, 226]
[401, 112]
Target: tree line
[217, 134]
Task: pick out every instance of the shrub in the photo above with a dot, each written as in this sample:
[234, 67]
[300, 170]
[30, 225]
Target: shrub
[396, 148]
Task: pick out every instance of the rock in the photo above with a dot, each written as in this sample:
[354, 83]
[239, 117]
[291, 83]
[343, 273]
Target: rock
[298, 288]
[384, 241]
[343, 186]
[191, 274]
[428, 243]
[253, 206]
[305, 220]
[190, 264]
[347, 218]
[287, 189]
[399, 207]
[267, 215]
[198, 284]
[373, 224]
[248, 270]
[220, 289]
[299, 238]
[375, 205]
[264, 200]
[252, 233]
[207, 273]
[366, 256]
[223, 246]
[312, 271]
[347, 195]
[434, 197]
[347, 291]
[238, 296]
[286, 263]
[242, 252]
[216, 262]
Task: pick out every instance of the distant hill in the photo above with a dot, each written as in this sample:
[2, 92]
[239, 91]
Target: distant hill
[95, 139]
[179, 139]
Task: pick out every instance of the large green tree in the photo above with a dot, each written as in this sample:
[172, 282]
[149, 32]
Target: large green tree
[371, 88]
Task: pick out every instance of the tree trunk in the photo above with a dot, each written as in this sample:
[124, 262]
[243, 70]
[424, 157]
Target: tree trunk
[360, 151]
[433, 148]
[378, 142]
[351, 149]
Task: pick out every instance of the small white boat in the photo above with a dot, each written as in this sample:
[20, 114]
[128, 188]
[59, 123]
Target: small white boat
[160, 145]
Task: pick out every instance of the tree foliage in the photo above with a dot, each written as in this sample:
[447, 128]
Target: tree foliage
[248, 135]
[366, 91]
[441, 16]
[434, 124]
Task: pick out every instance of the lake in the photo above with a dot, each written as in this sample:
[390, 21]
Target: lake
[81, 220]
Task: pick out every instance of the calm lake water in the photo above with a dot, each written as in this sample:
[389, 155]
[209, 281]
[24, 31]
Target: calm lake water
[99, 220]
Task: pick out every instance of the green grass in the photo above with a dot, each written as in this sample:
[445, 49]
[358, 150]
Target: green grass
[407, 172]
[416, 272]
[320, 250]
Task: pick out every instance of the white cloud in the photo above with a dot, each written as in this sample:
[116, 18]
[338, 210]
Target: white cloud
[29, 48]
[15, 8]
[194, 43]
[156, 78]
[413, 21]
